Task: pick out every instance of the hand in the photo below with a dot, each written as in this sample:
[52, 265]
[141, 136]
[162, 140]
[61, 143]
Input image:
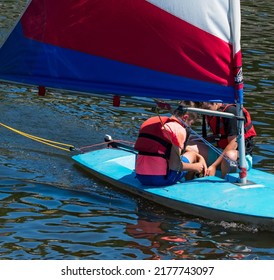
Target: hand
[199, 167]
[211, 171]
[203, 162]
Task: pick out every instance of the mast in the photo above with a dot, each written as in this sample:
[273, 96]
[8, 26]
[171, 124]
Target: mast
[239, 93]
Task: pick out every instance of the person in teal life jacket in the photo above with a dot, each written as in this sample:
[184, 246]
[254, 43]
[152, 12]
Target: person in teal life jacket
[225, 135]
[163, 159]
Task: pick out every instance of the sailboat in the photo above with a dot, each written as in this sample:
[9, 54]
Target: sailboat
[160, 50]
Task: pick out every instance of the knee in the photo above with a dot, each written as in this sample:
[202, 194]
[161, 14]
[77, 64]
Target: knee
[232, 155]
[193, 148]
[190, 155]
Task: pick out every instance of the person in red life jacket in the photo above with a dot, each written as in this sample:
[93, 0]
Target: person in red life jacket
[225, 134]
[162, 156]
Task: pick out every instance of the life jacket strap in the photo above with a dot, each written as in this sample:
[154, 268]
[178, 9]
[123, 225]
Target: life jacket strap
[152, 154]
[248, 127]
[155, 138]
[204, 130]
[163, 142]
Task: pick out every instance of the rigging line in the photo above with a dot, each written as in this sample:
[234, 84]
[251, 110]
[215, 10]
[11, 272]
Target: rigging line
[167, 106]
[211, 146]
[104, 144]
[48, 142]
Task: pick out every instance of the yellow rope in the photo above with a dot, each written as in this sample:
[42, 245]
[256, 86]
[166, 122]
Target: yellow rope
[51, 143]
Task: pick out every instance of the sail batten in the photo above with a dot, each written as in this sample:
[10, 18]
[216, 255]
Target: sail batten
[152, 48]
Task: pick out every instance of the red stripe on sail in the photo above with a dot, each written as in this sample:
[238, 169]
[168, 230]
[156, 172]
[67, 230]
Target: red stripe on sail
[131, 31]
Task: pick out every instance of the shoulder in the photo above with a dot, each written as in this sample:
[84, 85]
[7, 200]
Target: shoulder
[175, 126]
[231, 109]
[176, 133]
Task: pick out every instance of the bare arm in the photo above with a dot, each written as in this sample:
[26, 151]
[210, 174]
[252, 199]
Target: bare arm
[232, 145]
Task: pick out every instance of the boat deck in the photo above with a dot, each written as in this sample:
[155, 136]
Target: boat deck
[209, 197]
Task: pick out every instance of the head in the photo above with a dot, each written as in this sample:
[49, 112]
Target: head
[214, 106]
[188, 117]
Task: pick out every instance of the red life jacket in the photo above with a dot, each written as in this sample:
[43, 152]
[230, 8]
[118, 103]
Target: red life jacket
[151, 140]
[217, 126]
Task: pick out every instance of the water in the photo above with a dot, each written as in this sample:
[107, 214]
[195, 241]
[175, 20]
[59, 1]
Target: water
[50, 209]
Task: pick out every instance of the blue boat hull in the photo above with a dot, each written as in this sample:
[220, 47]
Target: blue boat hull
[208, 197]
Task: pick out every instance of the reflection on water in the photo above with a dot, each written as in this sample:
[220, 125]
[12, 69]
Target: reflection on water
[45, 222]
[50, 209]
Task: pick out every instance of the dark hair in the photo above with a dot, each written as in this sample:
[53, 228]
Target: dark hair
[182, 109]
[205, 105]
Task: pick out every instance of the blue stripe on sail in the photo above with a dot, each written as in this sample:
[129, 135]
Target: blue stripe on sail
[57, 67]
